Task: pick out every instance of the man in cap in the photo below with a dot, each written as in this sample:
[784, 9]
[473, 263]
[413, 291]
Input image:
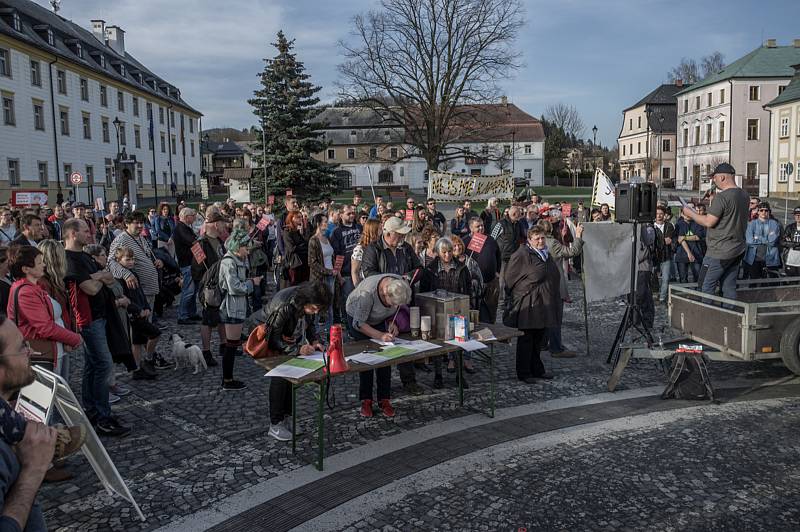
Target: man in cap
[392, 254]
[726, 221]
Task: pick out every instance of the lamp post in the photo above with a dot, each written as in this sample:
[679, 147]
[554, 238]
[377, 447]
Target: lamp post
[660, 119]
[648, 111]
[117, 123]
[594, 148]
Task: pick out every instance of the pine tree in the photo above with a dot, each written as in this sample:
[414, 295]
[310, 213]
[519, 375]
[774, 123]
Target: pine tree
[285, 105]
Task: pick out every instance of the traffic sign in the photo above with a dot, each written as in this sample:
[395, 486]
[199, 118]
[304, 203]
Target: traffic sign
[76, 178]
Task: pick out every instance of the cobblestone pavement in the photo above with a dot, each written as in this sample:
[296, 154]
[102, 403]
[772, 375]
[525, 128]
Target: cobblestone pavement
[193, 444]
[699, 469]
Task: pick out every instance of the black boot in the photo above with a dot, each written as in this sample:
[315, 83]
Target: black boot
[228, 360]
[209, 358]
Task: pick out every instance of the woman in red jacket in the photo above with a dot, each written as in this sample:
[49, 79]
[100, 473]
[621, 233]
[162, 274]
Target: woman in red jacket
[32, 309]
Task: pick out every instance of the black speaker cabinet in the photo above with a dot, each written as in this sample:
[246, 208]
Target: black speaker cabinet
[635, 202]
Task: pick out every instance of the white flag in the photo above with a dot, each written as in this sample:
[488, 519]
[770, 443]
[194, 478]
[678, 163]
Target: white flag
[603, 190]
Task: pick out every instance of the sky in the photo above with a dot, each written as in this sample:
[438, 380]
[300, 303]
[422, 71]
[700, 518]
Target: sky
[599, 55]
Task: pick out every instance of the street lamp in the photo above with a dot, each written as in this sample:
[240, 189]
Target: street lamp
[117, 122]
[594, 148]
[648, 111]
[594, 137]
[660, 119]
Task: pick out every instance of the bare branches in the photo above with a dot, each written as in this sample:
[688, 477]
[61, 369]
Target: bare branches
[690, 71]
[419, 60]
[565, 117]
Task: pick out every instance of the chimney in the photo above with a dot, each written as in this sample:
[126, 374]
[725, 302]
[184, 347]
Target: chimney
[99, 30]
[679, 83]
[115, 38]
[504, 100]
[796, 43]
[771, 43]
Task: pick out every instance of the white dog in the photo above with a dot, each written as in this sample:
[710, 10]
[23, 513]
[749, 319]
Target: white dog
[187, 355]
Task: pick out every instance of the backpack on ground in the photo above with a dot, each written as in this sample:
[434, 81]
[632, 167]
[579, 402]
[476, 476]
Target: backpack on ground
[211, 294]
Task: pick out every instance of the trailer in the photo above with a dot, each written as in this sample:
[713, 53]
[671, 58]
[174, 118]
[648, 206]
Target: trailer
[762, 323]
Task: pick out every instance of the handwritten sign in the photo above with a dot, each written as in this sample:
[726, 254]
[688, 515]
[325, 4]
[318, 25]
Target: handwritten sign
[458, 187]
[271, 199]
[409, 215]
[338, 262]
[199, 254]
[263, 223]
[477, 242]
[566, 210]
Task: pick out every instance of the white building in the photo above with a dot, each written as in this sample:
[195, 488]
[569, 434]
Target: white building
[784, 170]
[68, 94]
[722, 118]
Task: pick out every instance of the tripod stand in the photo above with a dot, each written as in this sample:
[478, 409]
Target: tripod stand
[632, 318]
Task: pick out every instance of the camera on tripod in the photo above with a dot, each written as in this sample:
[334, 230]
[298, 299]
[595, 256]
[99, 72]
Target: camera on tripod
[635, 202]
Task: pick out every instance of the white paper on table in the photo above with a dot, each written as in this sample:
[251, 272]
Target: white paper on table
[484, 335]
[469, 345]
[316, 355]
[420, 345]
[367, 358]
[289, 372]
[396, 341]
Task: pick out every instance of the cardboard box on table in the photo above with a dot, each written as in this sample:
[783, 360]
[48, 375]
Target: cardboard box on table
[440, 304]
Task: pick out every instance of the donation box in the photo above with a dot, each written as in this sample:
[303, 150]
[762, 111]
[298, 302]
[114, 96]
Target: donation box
[439, 305]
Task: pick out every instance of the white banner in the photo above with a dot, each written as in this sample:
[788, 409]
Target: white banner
[603, 190]
[446, 186]
[607, 259]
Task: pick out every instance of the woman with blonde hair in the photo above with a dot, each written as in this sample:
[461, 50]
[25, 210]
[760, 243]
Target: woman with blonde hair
[371, 233]
[52, 282]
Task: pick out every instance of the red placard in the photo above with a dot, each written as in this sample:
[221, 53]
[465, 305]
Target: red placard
[476, 242]
[338, 262]
[199, 254]
[263, 223]
[409, 215]
[271, 199]
[289, 192]
[28, 198]
[566, 209]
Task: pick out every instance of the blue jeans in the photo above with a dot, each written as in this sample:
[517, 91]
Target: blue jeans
[683, 271]
[188, 306]
[722, 272]
[666, 271]
[96, 370]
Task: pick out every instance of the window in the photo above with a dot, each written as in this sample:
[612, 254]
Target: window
[685, 174]
[373, 153]
[507, 149]
[87, 126]
[8, 109]
[666, 145]
[160, 115]
[710, 99]
[13, 172]
[173, 145]
[784, 130]
[393, 153]
[67, 172]
[755, 93]
[153, 178]
[638, 147]
[38, 115]
[5, 63]
[104, 127]
[351, 153]
[123, 138]
[137, 136]
[191, 125]
[42, 173]
[331, 153]
[527, 149]
[90, 175]
[527, 173]
[61, 81]
[696, 135]
[686, 105]
[163, 143]
[84, 89]
[630, 123]
[722, 132]
[135, 106]
[639, 122]
[722, 96]
[697, 102]
[797, 172]
[666, 174]
[63, 117]
[191, 148]
[752, 129]
[783, 174]
[164, 177]
[709, 130]
[109, 172]
[103, 95]
[385, 176]
[36, 73]
[139, 174]
[484, 150]
[149, 111]
[780, 89]
[685, 137]
[623, 149]
[708, 170]
[172, 119]
[121, 101]
[752, 170]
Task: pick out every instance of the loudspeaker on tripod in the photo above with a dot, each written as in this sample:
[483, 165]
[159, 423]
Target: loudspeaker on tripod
[635, 202]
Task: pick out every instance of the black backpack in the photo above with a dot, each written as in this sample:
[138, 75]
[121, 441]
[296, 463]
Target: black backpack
[211, 294]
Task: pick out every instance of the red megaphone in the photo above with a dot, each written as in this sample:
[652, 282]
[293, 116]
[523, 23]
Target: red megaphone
[336, 361]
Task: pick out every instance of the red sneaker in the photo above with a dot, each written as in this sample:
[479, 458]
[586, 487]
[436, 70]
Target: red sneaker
[366, 408]
[386, 406]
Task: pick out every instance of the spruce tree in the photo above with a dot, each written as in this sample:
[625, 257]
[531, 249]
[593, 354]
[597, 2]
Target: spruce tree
[285, 106]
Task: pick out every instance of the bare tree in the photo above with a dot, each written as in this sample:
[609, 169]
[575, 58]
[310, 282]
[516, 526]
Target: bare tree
[565, 117]
[712, 63]
[686, 71]
[425, 63]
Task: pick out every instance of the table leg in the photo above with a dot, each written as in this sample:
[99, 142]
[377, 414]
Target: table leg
[461, 377]
[294, 419]
[491, 379]
[321, 425]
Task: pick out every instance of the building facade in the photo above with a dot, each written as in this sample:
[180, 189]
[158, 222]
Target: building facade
[647, 139]
[368, 147]
[76, 102]
[784, 170]
[722, 118]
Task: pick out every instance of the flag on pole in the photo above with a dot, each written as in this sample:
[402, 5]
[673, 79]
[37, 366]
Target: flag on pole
[603, 190]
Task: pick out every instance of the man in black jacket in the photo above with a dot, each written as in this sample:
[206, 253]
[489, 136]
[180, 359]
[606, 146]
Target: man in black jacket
[344, 240]
[436, 217]
[508, 233]
[391, 254]
[213, 248]
[489, 261]
[184, 238]
[664, 249]
[31, 231]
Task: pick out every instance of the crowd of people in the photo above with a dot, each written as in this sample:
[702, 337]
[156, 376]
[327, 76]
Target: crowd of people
[73, 278]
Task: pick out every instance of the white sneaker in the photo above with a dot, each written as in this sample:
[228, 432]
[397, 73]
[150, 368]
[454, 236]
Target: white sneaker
[280, 432]
[112, 398]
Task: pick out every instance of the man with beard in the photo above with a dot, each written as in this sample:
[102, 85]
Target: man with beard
[344, 240]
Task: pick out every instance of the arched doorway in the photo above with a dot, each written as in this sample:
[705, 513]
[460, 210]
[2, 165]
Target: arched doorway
[385, 176]
[124, 184]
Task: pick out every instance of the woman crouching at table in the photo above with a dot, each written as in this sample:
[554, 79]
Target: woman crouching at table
[289, 317]
[534, 282]
[371, 308]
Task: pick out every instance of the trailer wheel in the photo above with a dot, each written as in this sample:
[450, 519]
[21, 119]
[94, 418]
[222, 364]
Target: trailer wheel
[790, 347]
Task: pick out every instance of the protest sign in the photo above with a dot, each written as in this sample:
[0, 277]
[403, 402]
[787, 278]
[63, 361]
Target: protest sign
[446, 186]
[606, 260]
[603, 190]
[409, 215]
[199, 254]
[476, 242]
[338, 263]
[263, 223]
